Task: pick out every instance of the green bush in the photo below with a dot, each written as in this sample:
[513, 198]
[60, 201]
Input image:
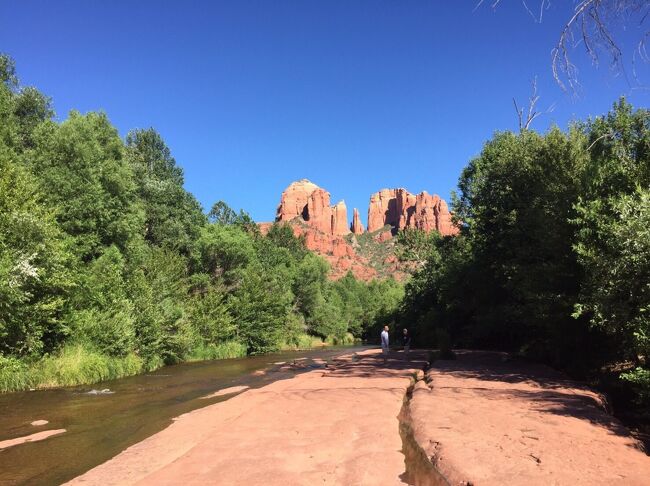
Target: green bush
[14, 374]
[640, 380]
[301, 341]
[225, 350]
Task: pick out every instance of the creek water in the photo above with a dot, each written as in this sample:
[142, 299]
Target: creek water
[100, 425]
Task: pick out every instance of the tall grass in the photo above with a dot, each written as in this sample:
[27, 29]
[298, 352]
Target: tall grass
[73, 365]
[347, 338]
[300, 341]
[14, 374]
[228, 349]
[76, 364]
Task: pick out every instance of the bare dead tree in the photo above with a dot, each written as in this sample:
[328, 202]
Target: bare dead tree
[527, 117]
[593, 24]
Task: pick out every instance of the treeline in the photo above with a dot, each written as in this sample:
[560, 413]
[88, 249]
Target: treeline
[553, 261]
[109, 267]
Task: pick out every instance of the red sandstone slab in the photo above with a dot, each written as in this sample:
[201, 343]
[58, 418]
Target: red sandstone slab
[334, 426]
[486, 421]
[4, 444]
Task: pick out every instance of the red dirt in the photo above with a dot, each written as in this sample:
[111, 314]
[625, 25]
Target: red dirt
[485, 420]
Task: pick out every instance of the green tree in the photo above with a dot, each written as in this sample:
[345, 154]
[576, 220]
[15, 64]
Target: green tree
[83, 174]
[173, 217]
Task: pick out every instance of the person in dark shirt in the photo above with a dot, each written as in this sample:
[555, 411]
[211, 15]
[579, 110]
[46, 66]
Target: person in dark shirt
[406, 341]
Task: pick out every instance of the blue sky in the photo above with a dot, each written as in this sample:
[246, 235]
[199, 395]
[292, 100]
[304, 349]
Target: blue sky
[354, 95]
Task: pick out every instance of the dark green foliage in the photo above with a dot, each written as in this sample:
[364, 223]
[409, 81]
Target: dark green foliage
[83, 174]
[172, 215]
[552, 261]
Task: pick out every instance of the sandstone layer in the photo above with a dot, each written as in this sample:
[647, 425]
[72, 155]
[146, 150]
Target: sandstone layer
[333, 426]
[484, 420]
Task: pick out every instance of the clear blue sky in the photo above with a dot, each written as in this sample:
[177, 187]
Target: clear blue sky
[354, 95]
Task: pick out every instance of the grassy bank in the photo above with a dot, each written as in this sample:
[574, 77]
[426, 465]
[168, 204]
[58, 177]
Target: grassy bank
[307, 341]
[78, 365]
[73, 365]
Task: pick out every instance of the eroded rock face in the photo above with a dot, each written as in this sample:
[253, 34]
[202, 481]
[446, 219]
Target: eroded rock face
[400, 209]
[304, 199]
[340, 219]
[319, 212]
[294, 199]
[357, 227]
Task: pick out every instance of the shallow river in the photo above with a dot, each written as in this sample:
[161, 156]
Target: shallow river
[101, 425]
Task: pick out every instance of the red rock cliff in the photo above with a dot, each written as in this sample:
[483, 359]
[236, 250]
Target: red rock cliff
[400, 209]
[306, 200]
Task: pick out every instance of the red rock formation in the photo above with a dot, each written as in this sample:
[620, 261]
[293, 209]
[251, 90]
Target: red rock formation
[339, 223]
[432, 213]
[304, 199]
[294, 199]
[319, 212]
[401, 209]
[378, 210]
[307, 208]
[357, 227]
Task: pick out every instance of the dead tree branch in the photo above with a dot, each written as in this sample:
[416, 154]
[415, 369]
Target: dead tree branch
[531, 114]
[594, 24]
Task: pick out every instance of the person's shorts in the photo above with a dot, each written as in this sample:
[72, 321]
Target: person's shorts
[384, 351]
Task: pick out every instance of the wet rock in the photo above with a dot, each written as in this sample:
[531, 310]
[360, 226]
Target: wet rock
[227, 391]
[105, 391]
[5, 444]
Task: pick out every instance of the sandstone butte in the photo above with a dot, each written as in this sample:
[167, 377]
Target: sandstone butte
[308, 209]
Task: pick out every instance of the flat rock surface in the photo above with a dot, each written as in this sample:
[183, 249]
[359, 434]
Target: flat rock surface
[4, 444]
[486, 421]
[335, 425]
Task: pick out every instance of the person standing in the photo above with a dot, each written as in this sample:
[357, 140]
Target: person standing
[406, 341]
[384, 343]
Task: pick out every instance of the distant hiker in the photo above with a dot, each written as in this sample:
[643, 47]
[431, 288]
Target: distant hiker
[384, 343]
[406, 340]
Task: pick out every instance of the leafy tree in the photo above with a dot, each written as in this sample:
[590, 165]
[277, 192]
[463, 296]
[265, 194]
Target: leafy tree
[224, 250]
[34, 275]
[221, 213]
[415, 245]
[82, 172]
[260, 306]
[106, 319]
[173, 217]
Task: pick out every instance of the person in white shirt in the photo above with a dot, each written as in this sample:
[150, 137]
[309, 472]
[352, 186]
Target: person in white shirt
[384, 343]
